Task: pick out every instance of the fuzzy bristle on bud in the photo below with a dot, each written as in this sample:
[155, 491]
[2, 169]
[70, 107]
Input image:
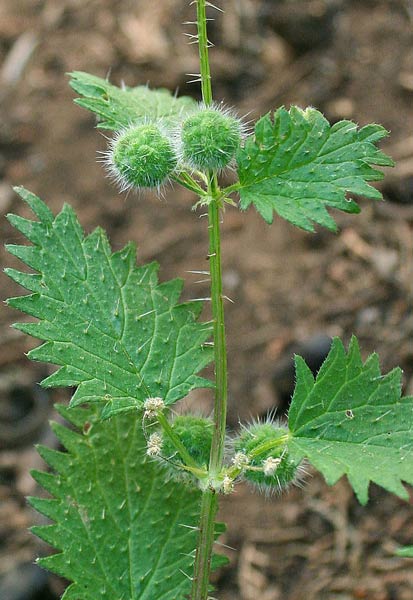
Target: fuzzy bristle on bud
[141, 156]
[270, 465]
[152, 406]
[195, 433]
[209, 138]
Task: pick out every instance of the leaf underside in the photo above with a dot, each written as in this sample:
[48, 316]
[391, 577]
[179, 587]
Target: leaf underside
[123, 532]
[118, 108]
[351, 420]
[297, 164]
[118, 334]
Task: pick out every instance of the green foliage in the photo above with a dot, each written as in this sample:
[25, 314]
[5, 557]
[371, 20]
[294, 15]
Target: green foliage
[196, 435]
[297, 165]
[119, 334]
[351, 420]
[122, 531]
[210, 138]
[118, 108]
[141, 156]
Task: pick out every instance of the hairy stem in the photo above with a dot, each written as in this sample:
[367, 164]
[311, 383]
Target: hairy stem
[202, 568]
[206, 86]
[209, 504]
[220, 405]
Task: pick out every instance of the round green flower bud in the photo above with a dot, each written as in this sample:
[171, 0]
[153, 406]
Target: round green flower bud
[195, 434]
[142, 156]
[270, 465]
[210, 139]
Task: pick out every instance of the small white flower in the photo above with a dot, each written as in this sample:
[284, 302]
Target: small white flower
[154, 445]
[227, 485]
[270, 465]
[152, 407]
[240, 460]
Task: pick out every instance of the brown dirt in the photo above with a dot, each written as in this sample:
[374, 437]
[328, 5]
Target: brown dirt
[351, 59]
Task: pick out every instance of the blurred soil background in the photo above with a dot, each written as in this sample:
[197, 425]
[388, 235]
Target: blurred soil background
[291, 290]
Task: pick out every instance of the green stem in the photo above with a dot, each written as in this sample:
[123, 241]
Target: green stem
[209, 505]
[206, 86]
[183, 452]
[202, 568]
[221, 392]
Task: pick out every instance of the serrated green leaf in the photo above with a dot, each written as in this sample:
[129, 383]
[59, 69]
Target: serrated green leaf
[118, 334]
[298, 165]
[351, 420]
[118, 108]
[122, 531]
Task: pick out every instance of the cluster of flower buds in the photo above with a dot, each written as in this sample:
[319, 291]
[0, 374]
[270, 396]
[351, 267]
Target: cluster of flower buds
[147, 153]
[259, 453]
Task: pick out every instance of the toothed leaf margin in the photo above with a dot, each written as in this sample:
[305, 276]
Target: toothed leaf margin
[120, 529]
[351, 420]
[296, 164]
[118, 334]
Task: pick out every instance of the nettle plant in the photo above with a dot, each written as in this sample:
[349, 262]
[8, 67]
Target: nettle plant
[134, 497]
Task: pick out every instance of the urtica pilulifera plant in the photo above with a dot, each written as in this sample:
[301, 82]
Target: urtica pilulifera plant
[134, 496]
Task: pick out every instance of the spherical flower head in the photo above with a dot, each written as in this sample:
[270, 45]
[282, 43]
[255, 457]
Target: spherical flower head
[209, 138]
[141, 156]
[195, 433]
[270, 465]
